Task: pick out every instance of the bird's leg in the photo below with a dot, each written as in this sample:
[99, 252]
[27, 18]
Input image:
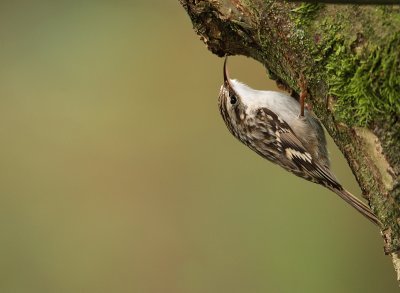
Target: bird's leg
[303, 93]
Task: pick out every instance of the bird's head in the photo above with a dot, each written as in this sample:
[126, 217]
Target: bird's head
[231, 103]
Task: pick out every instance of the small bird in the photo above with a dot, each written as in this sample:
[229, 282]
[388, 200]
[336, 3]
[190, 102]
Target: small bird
[271, 124]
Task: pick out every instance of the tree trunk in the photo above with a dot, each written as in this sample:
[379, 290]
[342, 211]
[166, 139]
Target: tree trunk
[349, 56]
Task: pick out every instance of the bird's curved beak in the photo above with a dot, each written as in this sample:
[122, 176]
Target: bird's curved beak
[227, 81]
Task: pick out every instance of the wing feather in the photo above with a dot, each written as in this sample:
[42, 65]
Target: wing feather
[292, 151]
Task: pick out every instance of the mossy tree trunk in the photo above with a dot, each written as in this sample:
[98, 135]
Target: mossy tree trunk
[350, 58]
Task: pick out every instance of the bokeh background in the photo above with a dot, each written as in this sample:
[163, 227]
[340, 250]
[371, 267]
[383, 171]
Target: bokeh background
[118, 175]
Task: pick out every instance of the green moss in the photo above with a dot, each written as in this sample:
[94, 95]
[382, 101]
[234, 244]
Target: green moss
[303, 14]
[367, 87]
[365, 81]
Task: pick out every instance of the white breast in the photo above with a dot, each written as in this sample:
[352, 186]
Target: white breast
[283, 105]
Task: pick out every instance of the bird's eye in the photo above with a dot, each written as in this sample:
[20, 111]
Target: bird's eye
[233, 100]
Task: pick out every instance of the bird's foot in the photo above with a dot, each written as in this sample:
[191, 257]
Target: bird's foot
[303, 94]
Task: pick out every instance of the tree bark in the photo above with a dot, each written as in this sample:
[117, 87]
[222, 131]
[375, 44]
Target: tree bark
[350, 58]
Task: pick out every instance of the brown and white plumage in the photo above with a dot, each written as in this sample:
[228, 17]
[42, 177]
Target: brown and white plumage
[268, 122]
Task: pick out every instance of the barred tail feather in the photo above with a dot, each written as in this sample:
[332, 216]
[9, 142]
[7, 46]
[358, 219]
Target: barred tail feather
[358, 205]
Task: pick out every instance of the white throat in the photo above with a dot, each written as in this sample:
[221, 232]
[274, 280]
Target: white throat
[278, 102]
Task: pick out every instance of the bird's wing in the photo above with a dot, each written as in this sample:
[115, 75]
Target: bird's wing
[292, 151]
[295, 158]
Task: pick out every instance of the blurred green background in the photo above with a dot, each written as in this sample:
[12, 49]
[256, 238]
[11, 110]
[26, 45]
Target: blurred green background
[118, 175]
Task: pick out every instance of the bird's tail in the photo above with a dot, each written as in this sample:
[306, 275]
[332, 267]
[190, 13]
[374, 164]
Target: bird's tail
[358, 205]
